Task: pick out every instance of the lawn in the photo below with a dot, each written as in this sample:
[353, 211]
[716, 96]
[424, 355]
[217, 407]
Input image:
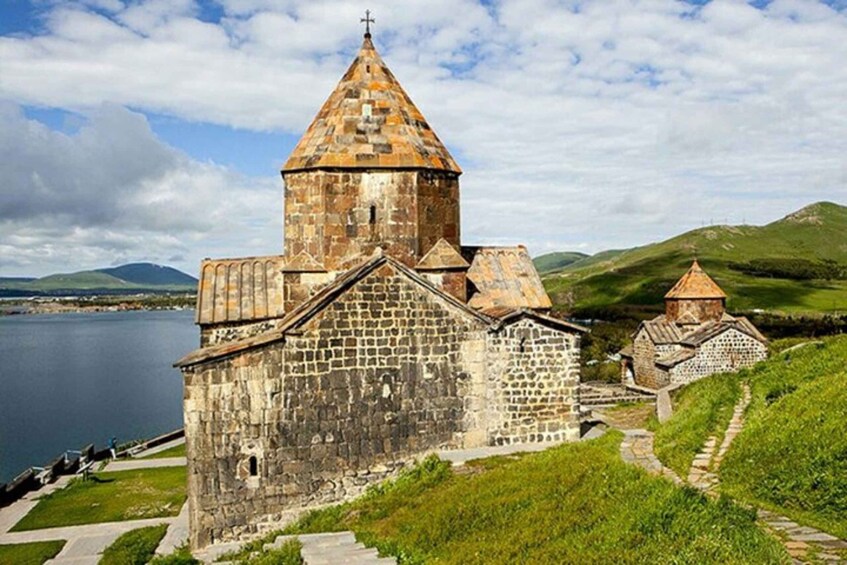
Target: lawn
[577, 503]
[700, 410]
[175, 451]
[34, 553]
[791, 456]
[110, 497]
[135, 547]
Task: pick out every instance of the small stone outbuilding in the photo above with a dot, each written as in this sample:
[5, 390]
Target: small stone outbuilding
[694, 338]
[375, 338]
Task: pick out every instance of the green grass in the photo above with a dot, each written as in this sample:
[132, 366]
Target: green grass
[641, 276]
[175, 451]
[110, 497]
[135, 547]
[791, 455]
[578, 503]
[34, 553]
[700, 410]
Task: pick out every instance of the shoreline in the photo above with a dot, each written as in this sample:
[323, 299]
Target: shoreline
[95, 304]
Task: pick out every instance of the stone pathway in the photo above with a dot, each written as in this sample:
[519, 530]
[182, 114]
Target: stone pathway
[801, 541]
[700, 475]
[704, 468]
[332, 549]
[177, 534]
[159, 448]
[131, 464]
[637, 449]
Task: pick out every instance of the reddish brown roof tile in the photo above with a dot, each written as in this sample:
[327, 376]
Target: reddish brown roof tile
[505, 277]
[695, 284]
[370, 122]
[442, 257]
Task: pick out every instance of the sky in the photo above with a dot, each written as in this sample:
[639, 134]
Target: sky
[154, 130]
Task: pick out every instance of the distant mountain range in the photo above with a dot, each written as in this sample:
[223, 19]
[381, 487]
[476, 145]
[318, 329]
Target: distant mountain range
[131, 277]
[795, 264]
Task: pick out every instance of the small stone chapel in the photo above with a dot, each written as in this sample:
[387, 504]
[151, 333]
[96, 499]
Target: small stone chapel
[694, 338]
[375, 338]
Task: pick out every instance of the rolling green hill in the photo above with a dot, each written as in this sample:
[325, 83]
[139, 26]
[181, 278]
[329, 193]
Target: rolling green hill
[135, 276]
[796, 264]
[555, 261]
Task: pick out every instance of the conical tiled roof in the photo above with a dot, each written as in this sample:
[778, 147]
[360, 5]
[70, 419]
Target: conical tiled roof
[369, 122]
[695, 284]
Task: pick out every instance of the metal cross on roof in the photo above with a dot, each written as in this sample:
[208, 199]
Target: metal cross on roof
[368, 20]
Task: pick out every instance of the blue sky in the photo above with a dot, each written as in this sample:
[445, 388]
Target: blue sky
[154, 129]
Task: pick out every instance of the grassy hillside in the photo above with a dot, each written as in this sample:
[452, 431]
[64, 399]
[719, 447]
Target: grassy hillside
[134, 276]
[557, 260]
[577, 503]
[792, 453]
[796, 264]
[149, 274]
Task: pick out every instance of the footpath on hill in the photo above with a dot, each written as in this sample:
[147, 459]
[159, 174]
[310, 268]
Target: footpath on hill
[781, 438]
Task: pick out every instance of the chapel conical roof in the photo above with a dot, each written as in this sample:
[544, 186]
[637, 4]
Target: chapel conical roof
[695, 284]
[369, 122]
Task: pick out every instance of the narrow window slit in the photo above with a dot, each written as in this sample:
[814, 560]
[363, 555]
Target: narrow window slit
[254, 466]
[372, 217]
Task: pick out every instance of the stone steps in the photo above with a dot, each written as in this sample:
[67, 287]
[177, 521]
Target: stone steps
[333, 548]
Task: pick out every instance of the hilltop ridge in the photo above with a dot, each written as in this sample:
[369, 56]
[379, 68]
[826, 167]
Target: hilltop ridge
[797, 263]
[129, 277]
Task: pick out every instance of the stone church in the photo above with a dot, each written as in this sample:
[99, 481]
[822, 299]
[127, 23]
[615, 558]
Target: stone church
[375, 338]
[694, 338]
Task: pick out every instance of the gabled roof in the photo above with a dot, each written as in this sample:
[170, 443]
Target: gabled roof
[675, 358]
[661, 331]
[507, 318]
[316, 304]
[370, 122]
[442, 257]
[711, 330]
[240, 290]
[504, 277]
[695, 284]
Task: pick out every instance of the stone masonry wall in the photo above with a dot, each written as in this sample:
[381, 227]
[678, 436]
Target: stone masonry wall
[339, 216]
[438, 210]
[701, 310]
[222, 333]
[729, 351]
[375, 379]
[386, 373]
[533, 374]
[644, 357]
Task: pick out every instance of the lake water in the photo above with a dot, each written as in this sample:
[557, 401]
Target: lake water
[67, 380]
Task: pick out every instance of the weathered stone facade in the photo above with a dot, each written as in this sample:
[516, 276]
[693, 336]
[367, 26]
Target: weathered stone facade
[337, 217]
[376, 337]
[385, 371]
[693, 339]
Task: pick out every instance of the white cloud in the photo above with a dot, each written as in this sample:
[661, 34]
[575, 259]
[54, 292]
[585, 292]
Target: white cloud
[113, 192]
[579, 124]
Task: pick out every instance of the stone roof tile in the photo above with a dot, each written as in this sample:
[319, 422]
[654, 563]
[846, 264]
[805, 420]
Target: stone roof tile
[240, 290]
[370, 122]
[442, 257]
[695, 284]
[505, 277]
